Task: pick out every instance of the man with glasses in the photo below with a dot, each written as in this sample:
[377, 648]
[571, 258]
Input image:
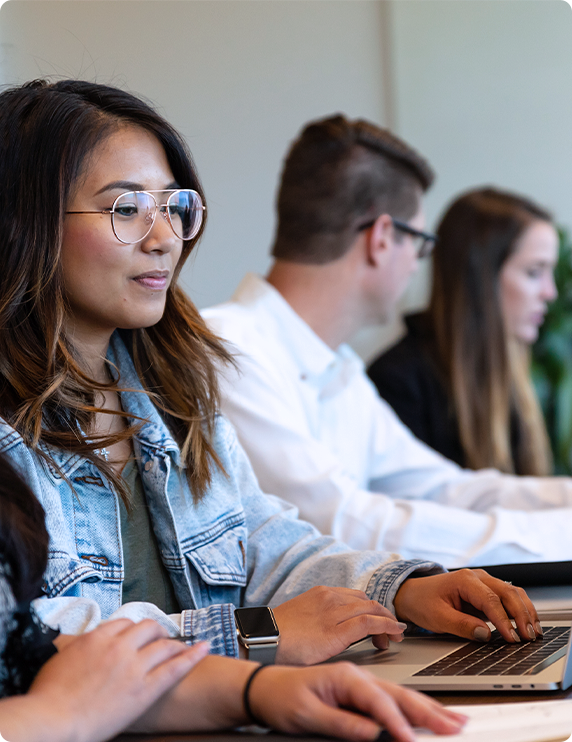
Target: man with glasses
[350, 233]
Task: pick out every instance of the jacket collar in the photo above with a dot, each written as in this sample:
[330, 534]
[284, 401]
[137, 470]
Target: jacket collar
[136, 401]
[153, 433]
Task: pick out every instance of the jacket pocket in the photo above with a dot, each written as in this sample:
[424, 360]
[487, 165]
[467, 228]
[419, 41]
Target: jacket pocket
[219, 554]
[65, 573]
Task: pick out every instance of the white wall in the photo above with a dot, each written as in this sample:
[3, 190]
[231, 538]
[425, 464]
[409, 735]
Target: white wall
[484, 90]
[238, 79]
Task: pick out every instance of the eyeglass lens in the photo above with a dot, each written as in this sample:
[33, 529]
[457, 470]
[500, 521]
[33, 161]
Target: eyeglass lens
[133, 214]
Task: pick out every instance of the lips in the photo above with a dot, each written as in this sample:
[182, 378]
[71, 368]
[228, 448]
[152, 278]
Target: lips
[537, 318]
[155, 280]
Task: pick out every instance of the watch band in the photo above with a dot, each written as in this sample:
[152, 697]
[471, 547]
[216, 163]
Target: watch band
[265, 654]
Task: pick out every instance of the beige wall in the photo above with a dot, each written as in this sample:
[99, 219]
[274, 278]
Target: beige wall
[482, 88]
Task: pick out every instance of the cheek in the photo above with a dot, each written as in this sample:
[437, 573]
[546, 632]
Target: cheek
[510, 301]
[85, 253]
[517, 301]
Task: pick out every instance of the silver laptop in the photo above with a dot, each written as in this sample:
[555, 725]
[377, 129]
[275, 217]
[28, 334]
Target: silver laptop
[443, 663]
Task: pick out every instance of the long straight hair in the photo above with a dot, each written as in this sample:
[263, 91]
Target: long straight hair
[487, 373]
[47, 134]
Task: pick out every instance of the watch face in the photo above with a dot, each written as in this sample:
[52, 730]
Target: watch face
[256, 623]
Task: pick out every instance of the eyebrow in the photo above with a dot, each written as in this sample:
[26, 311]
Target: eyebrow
[128, 185]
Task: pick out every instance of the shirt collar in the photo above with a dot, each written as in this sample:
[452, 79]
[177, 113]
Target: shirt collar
[319, 365]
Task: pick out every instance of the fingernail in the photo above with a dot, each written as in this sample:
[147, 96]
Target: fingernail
[481, 634]
[531, 631]
[400, 626]
[514, 635]
[462, 719]
[538, 628]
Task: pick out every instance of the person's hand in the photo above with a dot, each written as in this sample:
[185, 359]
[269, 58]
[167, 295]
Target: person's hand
[443, 603]
[341, 700]
[324, 621]
[101, 681]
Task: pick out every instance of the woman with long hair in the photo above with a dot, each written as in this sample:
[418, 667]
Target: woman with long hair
[108, 394]
[460, 379]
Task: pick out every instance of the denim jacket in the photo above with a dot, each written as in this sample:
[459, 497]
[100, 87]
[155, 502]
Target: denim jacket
[236, 547]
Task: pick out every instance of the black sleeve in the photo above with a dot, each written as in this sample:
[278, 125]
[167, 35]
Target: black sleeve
[29, 644]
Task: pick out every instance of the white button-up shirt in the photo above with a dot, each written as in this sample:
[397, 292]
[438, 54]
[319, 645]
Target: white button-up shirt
[318, 435]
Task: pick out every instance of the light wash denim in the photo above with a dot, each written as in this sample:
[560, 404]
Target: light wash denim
[236, 547]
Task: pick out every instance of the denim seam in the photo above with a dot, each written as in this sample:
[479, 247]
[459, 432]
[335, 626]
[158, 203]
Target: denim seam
[221, 526]
[386, 581]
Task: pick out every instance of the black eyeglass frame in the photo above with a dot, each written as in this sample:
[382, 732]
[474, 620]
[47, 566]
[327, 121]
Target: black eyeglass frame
[429, 239]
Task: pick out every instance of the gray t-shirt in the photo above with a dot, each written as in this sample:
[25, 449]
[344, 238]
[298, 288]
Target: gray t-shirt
[146, 577]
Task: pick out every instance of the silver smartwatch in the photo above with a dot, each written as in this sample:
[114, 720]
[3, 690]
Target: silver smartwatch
[258, 633]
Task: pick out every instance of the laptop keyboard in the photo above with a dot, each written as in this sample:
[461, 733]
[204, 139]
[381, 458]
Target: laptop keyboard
[499, 658]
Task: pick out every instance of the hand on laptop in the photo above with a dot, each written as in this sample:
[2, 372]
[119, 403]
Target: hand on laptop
[324, 621]
[446, 603]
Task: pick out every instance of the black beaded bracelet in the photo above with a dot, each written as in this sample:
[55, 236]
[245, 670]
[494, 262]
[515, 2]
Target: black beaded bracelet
[246, 699]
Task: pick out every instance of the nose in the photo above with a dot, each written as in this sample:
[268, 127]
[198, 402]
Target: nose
[550, 292]
[161, 238]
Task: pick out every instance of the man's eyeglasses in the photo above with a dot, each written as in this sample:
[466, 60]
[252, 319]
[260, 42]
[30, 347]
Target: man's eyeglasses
[133, 214]
[424, 241]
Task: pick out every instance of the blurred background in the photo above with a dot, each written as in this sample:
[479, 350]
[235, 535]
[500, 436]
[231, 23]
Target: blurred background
[483, 88]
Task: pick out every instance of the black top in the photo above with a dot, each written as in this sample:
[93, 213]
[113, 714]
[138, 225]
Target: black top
[25, 642]
[408, 377]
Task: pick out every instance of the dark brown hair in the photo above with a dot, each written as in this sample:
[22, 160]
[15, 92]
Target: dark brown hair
[486, 372]
[337, 175]
[23, 535]
[47, 133]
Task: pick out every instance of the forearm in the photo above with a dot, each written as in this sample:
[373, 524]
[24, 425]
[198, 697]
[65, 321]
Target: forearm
[208, 698]
[484, 489]
[456, 537]
[30, 719]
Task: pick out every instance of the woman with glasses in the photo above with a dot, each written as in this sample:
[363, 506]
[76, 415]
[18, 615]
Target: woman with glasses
[109, 398]
[460, 378]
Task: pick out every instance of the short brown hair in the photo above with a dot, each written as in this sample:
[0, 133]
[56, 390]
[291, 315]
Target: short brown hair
[336, 176]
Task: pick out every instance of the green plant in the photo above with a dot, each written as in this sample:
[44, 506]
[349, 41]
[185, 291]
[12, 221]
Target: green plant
[552, 362]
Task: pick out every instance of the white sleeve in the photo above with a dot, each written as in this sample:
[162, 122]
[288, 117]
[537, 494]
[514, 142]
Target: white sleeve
[413, 502]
